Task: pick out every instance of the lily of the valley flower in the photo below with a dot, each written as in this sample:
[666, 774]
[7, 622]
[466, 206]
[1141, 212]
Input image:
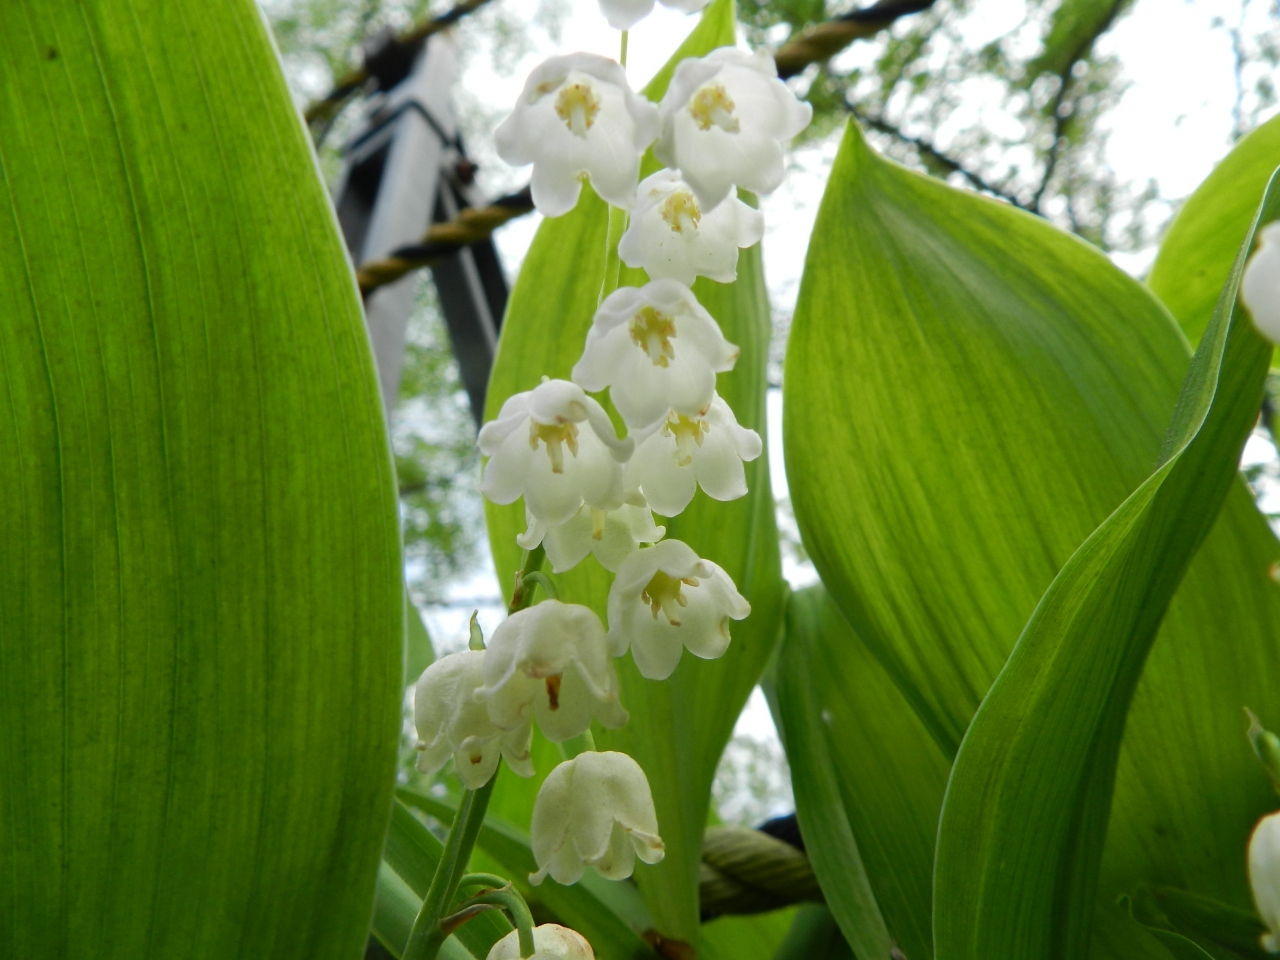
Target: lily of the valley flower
[1260, 285]
[724, 118]
[552, 662]
[612, 535]
[538, 450]
[625, 14]
[577, 119]
[1264, 877]
[674, 458]
[550, 942]
[671, 237]
[657, 349]
[665, 599]
[451, 722]
[594, 811]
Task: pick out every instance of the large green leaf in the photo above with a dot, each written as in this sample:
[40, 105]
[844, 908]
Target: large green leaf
[1200, 247]
[968, 394]
[201, 616]
[868, 780]
[678, 727]
[1026, 810]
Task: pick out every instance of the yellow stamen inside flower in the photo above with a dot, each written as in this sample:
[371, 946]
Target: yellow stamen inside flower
[652, 331]
[553, 690]
[553, 435]
[681, 212]
[711, 106]
[688, 434]
[597, 523]
[664, 594]
[577, 105]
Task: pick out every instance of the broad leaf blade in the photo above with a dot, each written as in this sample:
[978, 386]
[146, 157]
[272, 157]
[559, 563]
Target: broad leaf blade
[1200, 247]
[969, 393]
[679, 727]
[201, 616]
[1026, 810]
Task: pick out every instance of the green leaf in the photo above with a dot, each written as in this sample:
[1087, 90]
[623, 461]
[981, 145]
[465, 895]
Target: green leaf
[1198, 251]
[414, 852]
[968, 394]
[419, 652]
[679, 727]
[1215, 928]
[867, 776]
[755, 936]
[814, 935]
[395, 907]
[201, 613]
[603, 911]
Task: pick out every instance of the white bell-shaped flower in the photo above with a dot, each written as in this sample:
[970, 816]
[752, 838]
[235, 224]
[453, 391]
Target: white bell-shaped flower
[682, 453]
[1264, 877]
[656, 349]
[724, 118]
[671, 237]
[550, 942]
[664, 599]
[612, 535]
[1260, 285]
[451, 722]
[625, 14]
[551, 662]
[594, 811]
[537, 450]
[577, 119]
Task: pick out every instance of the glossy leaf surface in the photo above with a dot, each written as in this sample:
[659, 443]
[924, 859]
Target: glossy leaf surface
[969, 393]
[678, 727]
[201, 615]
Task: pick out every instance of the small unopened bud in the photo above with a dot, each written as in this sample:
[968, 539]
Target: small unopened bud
[550, 942]
[1260, 285]
[1264, 877]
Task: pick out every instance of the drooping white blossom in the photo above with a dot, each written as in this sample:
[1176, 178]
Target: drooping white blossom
[538, 450]
[724, 118]
[594, 811]
[451, 722]
[1260, 285]
[550, 942]
[666, 599]
[625, 14]
[656, 349]
[671, 237]
[578, 119]
[682, 453]
[1264, 877]
[551, 662]
[612, 535]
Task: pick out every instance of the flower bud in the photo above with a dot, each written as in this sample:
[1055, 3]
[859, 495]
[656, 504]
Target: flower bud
[1264, 877]
[537, 450]
[680, 453]
[551, 662]
[671, 237]
[665, 599]
[451, 722]
[550, 942]
[1260, 285]
[724, 117]
[594, 811]
[656, 349]
[578, 119]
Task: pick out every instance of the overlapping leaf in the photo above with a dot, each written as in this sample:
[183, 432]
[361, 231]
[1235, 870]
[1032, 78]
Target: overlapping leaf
[201, 618]
[679, 727]
[1200, 247]
[969, 393]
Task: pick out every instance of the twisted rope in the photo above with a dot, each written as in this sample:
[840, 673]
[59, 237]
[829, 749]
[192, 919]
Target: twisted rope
[749, 871]
[815, 44]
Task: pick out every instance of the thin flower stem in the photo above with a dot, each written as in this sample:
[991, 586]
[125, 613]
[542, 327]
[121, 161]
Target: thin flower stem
[584, 743]
[546, 583]
[483, 880]
[509, 898]
[427, 934]
[622, 54]
[612, 262]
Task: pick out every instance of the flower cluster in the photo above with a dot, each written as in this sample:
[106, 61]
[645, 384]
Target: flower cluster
[586, 490]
